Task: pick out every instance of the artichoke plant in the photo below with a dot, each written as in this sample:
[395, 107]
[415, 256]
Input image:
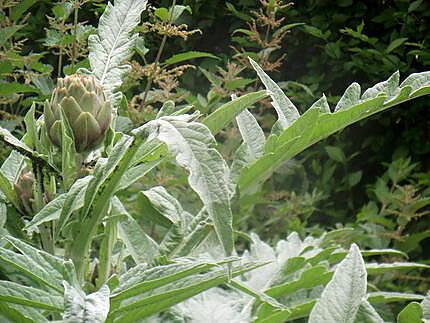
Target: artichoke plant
[24, 189]
[86, 108]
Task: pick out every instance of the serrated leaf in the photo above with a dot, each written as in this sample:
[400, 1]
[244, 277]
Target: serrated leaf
[113, 44]
[287, 112]
[350, 98]
[179, 242]
[343, 295]
[321, 104]
[315, 125]
[209, 176]
[389, 87]
[165, 204]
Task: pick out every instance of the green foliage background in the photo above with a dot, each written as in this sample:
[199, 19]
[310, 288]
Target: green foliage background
[350, 179]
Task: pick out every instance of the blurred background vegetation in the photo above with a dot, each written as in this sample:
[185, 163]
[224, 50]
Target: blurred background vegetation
[371, 180]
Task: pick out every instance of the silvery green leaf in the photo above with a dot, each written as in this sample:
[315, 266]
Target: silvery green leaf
[45, 269]
[140, 246]
[113, 43]
[321, 104]
[425, 304]
[12, 166]
[23, 149]
[209, 176]
[388, 87]
[103, 171]
[3, 214]
[154, 301]
[252, 134]
[164, 203]
[184, 238]
[287, 112]
[316, 124]
[417, 81]
[350, 98]
[367, 314]
[50, 211]
[343, 295]
[62, 206]
[74, 201]
[135, 173]
[29, 296]
[252, 147]
[7, 192]
[144, 278]
[92, 308]
[11, 313]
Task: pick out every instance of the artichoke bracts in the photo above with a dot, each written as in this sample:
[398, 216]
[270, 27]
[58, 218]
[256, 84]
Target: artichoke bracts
[24, 190]
[86, 108]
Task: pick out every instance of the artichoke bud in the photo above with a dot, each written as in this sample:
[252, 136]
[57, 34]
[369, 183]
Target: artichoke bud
[24, 189]
[86, 108]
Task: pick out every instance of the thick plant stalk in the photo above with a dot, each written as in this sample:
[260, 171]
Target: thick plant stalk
[80, 248]
[106, 251]
[45, 232]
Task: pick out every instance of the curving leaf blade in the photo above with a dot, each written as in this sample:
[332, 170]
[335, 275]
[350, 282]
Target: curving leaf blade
[209, 176]
[113, 43]
[343, 295]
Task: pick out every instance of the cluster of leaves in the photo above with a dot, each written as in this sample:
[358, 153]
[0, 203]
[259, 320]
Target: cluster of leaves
[72, 249]
[331, 42]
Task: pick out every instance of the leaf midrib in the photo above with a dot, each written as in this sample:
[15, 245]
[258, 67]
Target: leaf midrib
[110, 54]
